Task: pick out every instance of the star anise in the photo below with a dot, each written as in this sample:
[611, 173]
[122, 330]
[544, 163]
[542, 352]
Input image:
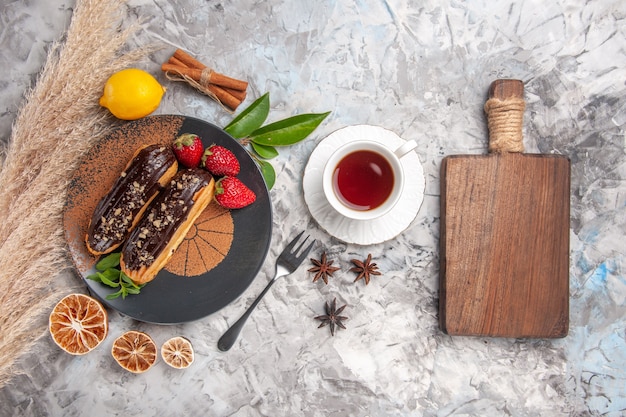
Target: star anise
[332, 317]
[323, 268]
[365, 269]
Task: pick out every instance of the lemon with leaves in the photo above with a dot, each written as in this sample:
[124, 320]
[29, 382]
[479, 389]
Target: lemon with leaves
[131, 94]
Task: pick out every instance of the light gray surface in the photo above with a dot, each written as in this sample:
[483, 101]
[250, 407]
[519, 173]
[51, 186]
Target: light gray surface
[421, 69]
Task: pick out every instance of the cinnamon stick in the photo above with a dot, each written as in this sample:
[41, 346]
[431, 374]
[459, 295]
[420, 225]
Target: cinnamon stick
[229, 91]
[175, 61]
[187, 59]
[225, 97]
[197, 75]
[239, 94]
[228, 82]
[216, 78]
[193, 73]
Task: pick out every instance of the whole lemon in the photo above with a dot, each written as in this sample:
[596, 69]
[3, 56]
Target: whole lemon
[131, 94]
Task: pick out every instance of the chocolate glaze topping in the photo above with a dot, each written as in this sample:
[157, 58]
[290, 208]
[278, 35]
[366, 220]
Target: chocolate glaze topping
[137, 184]
[164, 216]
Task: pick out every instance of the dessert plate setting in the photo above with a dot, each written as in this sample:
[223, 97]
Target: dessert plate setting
[173, 297]
[363, 232]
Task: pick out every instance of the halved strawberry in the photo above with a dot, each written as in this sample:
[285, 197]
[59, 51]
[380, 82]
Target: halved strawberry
[220, 161]
[231, 193]
[188, 149]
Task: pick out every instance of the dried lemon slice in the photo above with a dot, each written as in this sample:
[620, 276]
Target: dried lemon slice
[78, 323]
[134, 351]
[177, 352]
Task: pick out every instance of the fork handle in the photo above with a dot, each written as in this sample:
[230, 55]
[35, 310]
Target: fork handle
[228, 339]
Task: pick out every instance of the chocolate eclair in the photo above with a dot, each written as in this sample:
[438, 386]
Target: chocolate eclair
[118, 212]
[165, 224]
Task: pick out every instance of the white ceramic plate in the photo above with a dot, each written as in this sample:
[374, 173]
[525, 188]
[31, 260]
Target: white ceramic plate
[363, 232]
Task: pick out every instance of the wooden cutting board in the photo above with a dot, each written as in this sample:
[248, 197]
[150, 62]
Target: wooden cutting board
[505, 233]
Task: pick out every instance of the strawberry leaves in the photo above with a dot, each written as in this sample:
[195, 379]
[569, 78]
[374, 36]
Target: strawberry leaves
[188, 149]
[263, 140]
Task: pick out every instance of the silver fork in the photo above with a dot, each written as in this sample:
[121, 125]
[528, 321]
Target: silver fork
[288, 261]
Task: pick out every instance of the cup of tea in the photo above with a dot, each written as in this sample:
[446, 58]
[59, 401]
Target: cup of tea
[364, 179]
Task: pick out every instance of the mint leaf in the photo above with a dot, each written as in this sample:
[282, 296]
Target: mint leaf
[115, 294]
[106, 281]
[108, 261]
[132, 290]
[109, 275]
[94, 277]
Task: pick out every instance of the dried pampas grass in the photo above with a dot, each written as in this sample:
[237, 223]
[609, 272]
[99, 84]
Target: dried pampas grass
[59, 120]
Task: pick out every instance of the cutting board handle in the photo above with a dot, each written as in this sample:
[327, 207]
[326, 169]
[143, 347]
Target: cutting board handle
[505, 116]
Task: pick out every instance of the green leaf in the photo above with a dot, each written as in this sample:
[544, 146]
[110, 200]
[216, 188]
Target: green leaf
[115, 294]
[128, 281]
[265, 152]
[108, 261]
[107, 281]
[94, 277]
[250, 119]
[132, 290]
[114, 278]
[269, 175]
[287, 131]
[112, 273]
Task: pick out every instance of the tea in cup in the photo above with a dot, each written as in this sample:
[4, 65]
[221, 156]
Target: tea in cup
[364, 179]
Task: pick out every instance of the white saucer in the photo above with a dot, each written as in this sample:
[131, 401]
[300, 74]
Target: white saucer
[363, 232]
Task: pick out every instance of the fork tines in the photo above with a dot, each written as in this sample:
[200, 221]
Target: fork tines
[304, 252]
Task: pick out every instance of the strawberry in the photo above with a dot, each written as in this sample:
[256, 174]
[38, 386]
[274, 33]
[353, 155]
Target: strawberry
[220, 161]
[231, 193]
[188, 149]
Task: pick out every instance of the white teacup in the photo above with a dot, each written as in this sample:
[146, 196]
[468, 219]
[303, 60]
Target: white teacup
[364, 179]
